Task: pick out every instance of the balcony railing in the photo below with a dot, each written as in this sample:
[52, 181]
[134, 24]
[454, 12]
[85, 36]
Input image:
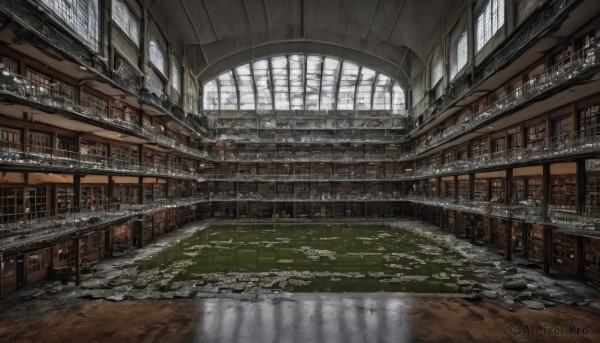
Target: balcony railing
[21, 155]
[305, 197]
[519, 41]
[49, 98]
[22, 232]
[301, 157]
[567, 220]
[350, 177]
[550, 80]
[125, 77]
[548, 149]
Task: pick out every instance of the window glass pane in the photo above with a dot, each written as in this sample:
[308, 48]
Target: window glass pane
[279, 67]
[211, 96]
[489, 20]
[124, 18]
[229, 99]
[157, 58]
[245, 86]
[437, 67]
[418, 89]
[458, 50]
[262, 78]
[347, 86]
[329, 83]
[397, 99]
[296, 82]
[365, 89]
[381, 94]
[176, 76]
[300, 82]
[81, 16]
[313, 81]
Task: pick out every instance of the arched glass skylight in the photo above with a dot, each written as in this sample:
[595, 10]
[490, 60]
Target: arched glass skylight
[300, 82]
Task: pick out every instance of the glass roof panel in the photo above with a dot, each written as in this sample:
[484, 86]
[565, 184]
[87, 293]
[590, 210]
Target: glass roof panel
[381, 93]
[279, 67]
[228, 91]
[347, 86]
[365, 89]
[302, 82]
[262, 79]
[313, 82]
[296, 82]
[211, 96]
[245, 85]
[329, 83]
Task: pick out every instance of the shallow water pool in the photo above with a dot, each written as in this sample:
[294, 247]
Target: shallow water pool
[311, 258]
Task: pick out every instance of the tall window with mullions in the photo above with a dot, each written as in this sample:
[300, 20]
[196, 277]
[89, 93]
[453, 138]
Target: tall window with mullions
[81, 16]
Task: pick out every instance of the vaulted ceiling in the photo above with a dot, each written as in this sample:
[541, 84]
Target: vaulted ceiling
[390, 36]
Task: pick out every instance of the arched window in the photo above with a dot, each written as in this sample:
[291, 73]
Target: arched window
[365, 89]
[381, 93]
[245, 85]
[176, 75]
[210, 100]
[300, 82]
[398, 101]
[347, 86]
[81, 16]
[436, 67]
[156, 56]
[459, 53]
[124, 18]
[490, 19]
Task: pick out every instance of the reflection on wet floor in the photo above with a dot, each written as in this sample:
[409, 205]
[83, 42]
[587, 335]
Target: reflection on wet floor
[305, 318]
[307, 258]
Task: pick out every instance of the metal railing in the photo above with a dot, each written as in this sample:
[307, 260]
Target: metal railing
[126, 76]
[241, 177]
[49, 98]
[567, 220]
[550, 80]
[523, 37]
[21, 155]
[549, 149]
[43, 226]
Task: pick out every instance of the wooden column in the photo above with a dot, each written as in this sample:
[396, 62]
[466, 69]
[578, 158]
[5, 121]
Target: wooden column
[77, 261]
[525, 233]
[580, 186]
[546, 191]
[508, 237]
[547, 249]
[77, 192]
[579, 258]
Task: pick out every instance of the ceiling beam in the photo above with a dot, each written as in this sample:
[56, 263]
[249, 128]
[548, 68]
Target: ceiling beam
[189, 17]
[395, 20]
[210, 19]
[248, 17]
[371, 21]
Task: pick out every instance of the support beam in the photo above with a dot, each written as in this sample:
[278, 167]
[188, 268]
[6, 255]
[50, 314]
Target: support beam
[509, 241]
[547, 249]
[78, 261]
[579, 258]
